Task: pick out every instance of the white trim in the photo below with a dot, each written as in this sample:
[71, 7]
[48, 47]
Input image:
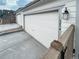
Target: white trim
[18, 14]
[45, 10]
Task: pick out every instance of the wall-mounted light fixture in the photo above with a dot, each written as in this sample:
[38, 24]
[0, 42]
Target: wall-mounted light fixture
[66, 14]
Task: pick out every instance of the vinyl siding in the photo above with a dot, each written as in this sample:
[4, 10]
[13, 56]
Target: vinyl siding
[71, 5]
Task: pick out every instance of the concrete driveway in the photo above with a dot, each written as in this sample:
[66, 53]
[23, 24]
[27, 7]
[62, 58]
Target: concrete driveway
[8, 26]
[20, 45]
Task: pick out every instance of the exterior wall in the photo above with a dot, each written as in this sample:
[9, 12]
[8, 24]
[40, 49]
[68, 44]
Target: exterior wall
[71, 5]
[7, 21]
[53, 4]
[19, 19]
[0, 21]
[7, 16]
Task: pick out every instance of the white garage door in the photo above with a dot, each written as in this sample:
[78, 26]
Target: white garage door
[43, 27]
[19, 19]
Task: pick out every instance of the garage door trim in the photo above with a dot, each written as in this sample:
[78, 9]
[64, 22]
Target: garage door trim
[47, 10]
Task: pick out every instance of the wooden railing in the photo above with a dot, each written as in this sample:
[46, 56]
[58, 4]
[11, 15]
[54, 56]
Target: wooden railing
[63, 47]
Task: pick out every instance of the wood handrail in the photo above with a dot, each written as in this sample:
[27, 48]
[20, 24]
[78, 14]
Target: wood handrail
[67, 41]
[66, 35]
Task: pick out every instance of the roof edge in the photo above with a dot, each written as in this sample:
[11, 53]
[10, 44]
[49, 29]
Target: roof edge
[26, 6]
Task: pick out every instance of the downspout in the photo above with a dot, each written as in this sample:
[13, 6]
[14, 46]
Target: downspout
[77, 31]
[24, 22]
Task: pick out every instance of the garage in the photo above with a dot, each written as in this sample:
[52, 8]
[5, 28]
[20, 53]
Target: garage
[43, 26]
[19, 19]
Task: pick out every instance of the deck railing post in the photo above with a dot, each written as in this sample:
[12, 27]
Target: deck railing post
[63, 47]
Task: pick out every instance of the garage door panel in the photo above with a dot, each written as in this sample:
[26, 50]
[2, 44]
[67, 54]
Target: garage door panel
[43, 27]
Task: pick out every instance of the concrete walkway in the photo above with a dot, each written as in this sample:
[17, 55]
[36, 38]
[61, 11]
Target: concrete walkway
[20, 45]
